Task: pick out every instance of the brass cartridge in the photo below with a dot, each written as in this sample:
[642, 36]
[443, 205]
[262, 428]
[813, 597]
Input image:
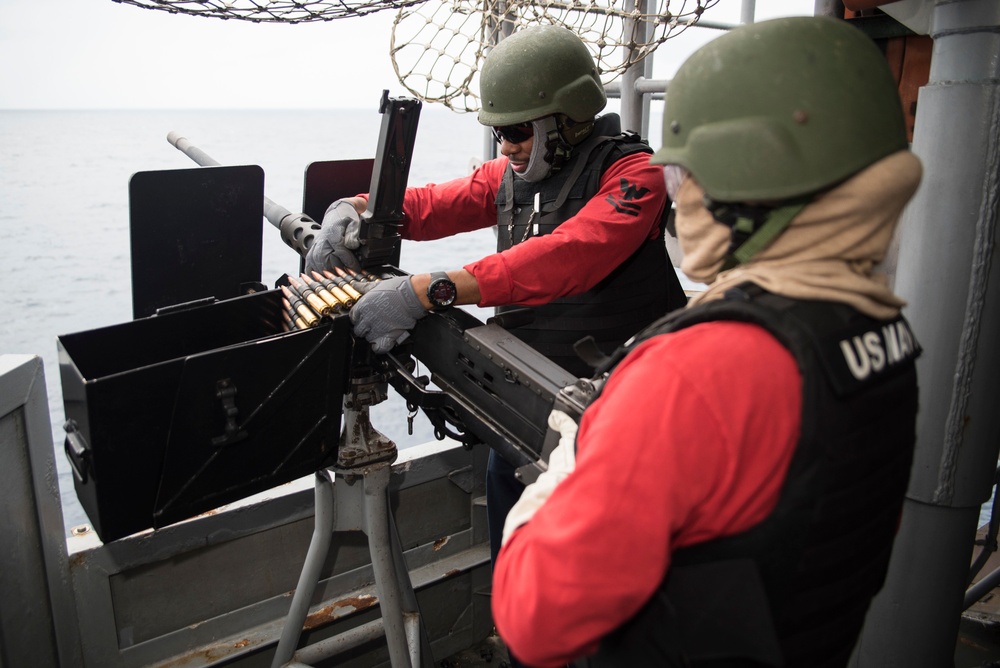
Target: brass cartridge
[291, 317]
[337, 288]
[310, 296]
[349, 280]
[299, 307]
[328, 298]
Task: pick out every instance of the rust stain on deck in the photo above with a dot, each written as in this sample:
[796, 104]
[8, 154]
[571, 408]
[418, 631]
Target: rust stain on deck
[338, 609]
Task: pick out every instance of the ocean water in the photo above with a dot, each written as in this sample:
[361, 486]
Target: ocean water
[64, 219]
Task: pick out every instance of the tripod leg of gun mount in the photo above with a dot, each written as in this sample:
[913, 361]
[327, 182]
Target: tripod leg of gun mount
[358, 501]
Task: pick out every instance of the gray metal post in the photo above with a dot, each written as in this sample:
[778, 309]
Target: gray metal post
[309, 577]
[631, 109]
[946, 271]
[833, 8]
[358, 501]
[376, 520]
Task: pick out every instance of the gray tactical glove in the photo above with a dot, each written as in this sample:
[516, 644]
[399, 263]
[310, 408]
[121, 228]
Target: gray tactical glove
[386, 313]
[338, 236]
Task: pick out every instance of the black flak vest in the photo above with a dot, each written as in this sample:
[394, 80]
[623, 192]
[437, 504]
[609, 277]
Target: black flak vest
[640, 290]
[793, 590]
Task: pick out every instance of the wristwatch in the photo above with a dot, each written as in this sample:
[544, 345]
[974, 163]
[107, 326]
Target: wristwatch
[441, 291]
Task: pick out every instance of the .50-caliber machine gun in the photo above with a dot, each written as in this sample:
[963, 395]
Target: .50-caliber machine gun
[215, 392]
[494, 389]
[209, 356]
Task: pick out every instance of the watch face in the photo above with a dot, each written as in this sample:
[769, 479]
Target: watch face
[441, 292]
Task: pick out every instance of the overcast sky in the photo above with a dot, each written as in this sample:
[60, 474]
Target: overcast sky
[100, 54]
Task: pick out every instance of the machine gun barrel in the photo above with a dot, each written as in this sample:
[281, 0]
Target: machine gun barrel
[297, 229]
[379, 234]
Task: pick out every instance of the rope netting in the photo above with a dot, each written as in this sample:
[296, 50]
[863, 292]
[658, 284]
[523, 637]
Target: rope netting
[437, 46]
[273, 11]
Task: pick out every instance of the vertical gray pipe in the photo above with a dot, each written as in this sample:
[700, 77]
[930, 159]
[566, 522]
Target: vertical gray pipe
[834, 8]
[948, 274]
[631, 100]
[319, 547]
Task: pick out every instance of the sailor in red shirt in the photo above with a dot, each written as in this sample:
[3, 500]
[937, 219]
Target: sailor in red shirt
[731, 495]
[674, 452]
[580, 214]
[570, 260]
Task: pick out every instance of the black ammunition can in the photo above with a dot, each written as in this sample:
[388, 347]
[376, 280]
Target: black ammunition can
[176, 414]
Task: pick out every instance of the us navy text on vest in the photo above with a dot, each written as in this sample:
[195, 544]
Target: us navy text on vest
[877, 349]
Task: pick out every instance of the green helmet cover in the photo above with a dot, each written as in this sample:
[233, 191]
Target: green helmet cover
[780, 109]
[536, 72]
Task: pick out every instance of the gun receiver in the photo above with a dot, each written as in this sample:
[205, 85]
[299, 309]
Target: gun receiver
[494, 388]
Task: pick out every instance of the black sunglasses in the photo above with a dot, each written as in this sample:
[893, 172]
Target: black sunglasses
[515, 134]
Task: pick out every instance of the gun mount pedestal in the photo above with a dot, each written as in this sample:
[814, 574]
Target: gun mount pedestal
[358, 501]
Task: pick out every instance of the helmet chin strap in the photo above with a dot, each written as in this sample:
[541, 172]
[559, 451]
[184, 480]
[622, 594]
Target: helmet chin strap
[753, 227]
[548, 152]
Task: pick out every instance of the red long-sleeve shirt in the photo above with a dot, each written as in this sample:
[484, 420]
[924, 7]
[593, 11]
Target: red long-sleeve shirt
[578, 254]
[689, 441]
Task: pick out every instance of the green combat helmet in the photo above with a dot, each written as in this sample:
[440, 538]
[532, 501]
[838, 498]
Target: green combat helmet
[539, 71]
[781, 109]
